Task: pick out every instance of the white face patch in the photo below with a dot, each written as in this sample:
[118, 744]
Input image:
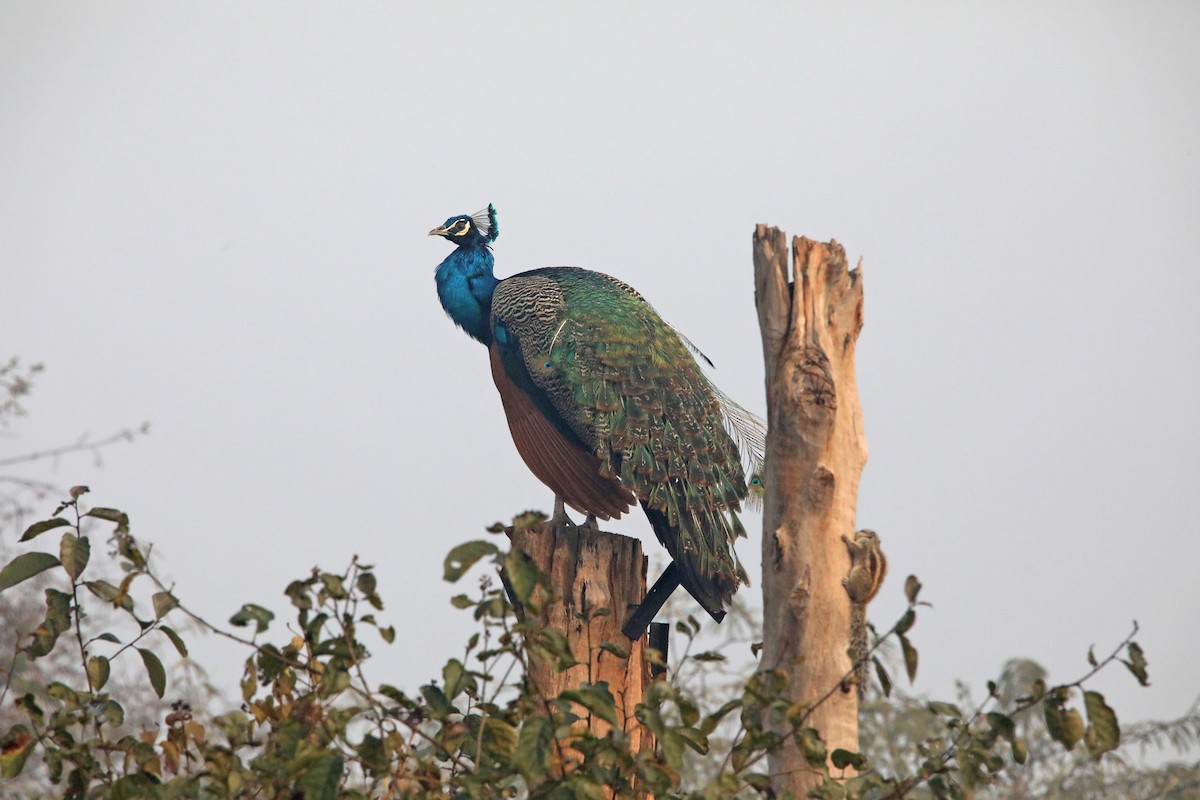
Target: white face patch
[461, 227]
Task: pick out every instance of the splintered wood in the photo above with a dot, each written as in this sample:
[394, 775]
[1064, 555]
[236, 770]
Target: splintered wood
[816, 449]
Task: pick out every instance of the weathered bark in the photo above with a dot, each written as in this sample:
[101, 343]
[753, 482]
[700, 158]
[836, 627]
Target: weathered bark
[815, 453]
[590, 570]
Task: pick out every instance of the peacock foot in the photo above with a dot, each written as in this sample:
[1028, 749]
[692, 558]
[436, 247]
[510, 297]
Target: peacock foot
[560, 518]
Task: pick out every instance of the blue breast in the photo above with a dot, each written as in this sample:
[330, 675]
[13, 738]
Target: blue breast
[465, 284]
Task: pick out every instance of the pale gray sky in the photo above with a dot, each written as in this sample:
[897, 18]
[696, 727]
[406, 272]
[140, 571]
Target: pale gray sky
[213, 217]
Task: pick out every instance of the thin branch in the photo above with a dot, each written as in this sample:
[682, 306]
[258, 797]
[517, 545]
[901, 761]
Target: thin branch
[126, 435]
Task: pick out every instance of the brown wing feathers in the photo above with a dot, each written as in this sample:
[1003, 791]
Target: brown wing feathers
[562, 464]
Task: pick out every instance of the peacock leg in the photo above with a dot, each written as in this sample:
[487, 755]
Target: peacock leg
[560, 518]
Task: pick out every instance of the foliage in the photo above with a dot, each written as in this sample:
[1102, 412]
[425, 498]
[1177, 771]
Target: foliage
[310, 724]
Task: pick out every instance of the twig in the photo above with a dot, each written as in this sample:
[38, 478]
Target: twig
[54, 452]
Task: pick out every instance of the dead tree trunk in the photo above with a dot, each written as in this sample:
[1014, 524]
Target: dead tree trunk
[815, 453]
[589, 571]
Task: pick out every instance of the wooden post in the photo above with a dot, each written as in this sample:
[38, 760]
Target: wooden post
[816, 450]
[591, 570]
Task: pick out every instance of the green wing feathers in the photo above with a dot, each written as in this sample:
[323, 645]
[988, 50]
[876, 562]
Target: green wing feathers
[626, 385]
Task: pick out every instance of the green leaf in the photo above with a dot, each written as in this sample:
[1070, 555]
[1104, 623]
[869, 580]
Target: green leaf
[24, 567]
[708, 655]
[617, 649]
[38, 528]
[1003, 725]
[439, 705]
[321, 776]
[109, 593]
[693, 739]
[334, 585]
[1136, 662]
[710, 722]
[533, 749]
[107, 637]
[97, 670]
[910, 657]
[500, 738]
[847, 758]
[113, 714]
[454, 676]
[551, 642]
[271, 662]
[670, 744]
[689, 714]
[596, 698]
[163, 602]
[522, 573]
[261, 617]
[1103, 732]
[906, 622]
[760, 782]
[393, 694]
[366, 583]
[1063, 724]
[461, 601]
[15, 747]
[885, 680]
[298, 591]
[945, 709]
[912, 588]
[809, 742]
[154, 669]
[103, 589]
[110, 514]
[463, 557]
[133, 787]
[374, 755]
[249, 682]
[56, 623]
[74, 552]
[1020, 752]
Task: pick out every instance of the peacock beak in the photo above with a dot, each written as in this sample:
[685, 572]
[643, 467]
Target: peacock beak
[439, 231]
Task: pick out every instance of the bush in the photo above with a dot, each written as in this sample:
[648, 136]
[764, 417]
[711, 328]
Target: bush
[310, 724]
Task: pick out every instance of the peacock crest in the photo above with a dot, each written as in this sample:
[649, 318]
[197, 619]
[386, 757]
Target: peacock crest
[485, 221]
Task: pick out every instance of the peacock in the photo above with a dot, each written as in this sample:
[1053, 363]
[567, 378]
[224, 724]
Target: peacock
[608, 406]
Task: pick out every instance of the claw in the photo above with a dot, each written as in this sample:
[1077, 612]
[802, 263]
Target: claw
[560, 518]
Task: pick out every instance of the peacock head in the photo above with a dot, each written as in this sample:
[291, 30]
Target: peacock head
[470, 230]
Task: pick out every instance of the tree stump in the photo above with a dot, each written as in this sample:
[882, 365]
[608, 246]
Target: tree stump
[816, 450]
[591, 570]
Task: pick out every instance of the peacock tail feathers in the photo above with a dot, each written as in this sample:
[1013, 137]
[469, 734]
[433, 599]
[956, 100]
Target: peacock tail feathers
[748, 430]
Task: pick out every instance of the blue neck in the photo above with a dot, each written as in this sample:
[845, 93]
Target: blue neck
[465, 283]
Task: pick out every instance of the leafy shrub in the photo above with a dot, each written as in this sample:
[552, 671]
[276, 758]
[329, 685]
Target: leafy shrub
[310, 724]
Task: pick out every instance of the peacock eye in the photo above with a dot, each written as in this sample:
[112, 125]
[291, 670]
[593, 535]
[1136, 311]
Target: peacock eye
[461, 227]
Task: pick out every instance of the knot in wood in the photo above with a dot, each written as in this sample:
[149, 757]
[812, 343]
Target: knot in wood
[820, 488]
[815, 382]
[811, 400]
